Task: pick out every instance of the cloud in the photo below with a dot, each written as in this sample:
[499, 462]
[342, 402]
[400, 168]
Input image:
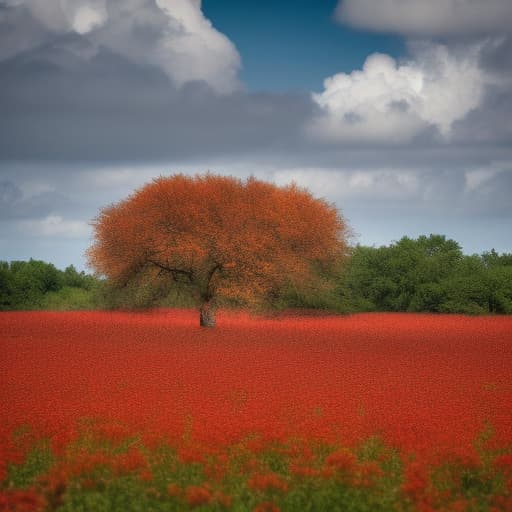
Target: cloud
[194, 50]
[172, 35]
[61, 16]
[19, 31]
[56, 226]
[389, 102]
[380, 184]
[470, 191]
[427, 18]
[67, 101]
[490, 185]
[88, 17]
[497, 56]
[117, 91]
[16, 203]
[10, 194]
[477, 178]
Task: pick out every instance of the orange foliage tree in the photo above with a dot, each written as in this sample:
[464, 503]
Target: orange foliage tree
[220, 237]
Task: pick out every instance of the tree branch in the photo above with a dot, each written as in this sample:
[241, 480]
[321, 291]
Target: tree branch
[171, 270]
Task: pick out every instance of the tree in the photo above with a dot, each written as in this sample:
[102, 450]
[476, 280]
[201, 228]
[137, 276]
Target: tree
[218, 237]
[6, 286]
[31, 280]
[405, 276]
[364, 284]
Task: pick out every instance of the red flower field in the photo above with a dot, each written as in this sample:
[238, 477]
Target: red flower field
[432, 388]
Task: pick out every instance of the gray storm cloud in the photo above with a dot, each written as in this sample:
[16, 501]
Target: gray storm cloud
[172, 35]
[64, 15]
[426, 18]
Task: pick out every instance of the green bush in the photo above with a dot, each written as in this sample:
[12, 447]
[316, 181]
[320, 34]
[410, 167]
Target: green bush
[69, 299]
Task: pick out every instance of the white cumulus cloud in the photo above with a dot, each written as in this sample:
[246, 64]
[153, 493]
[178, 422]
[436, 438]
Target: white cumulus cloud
[390, 102]
[193, 49]
[428, 17]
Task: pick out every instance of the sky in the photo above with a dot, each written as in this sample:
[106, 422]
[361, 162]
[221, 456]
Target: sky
[397, 111]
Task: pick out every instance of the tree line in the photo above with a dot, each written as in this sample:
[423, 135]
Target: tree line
[428, 274]
[33, 284]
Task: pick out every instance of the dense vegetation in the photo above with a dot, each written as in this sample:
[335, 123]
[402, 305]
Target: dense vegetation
[28, 285]
[427, 274]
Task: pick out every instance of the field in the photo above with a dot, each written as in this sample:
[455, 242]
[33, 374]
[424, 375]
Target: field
[116, 411]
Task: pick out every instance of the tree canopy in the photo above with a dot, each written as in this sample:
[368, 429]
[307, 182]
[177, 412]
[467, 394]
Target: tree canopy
[429, 274]
[34, 284]
[218, 237]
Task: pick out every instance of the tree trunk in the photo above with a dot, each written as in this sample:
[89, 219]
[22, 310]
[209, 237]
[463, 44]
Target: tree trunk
[206, 315]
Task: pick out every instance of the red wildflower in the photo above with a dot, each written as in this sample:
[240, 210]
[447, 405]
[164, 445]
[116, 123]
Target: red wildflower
[130, 461]
[502, 503]
[327, 473]
[366, 474]
[268, 481]
[504, 463]
[303, 471]
[267, 506]
[459, 506]
[415, 481]
[87, 462]
[224, 500]
[190, 455]
[198, 495]
[145, 475]
[113, 432]
[174, 490]
[341, 460]
[21, 501]
[424, 506]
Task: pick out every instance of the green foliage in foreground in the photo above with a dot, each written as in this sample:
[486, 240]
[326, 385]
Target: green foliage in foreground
[127, 476]
[427, 274]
